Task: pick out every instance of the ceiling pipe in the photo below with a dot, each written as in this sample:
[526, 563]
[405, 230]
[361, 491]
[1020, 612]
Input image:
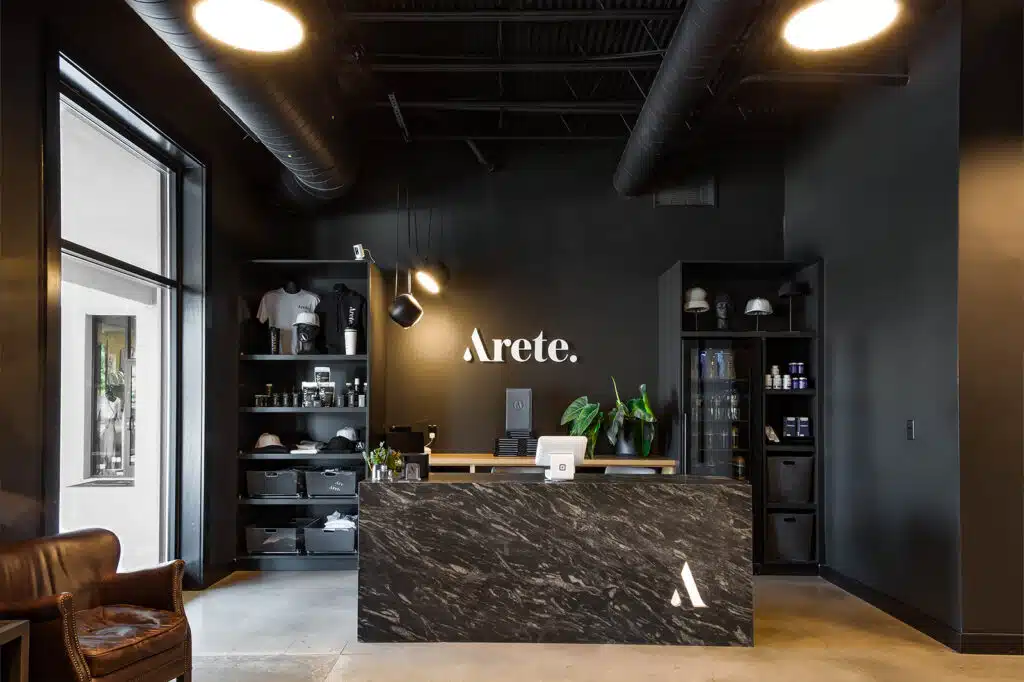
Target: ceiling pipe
[300, 133]
[542, 15]
[703, 40]
[594, 65]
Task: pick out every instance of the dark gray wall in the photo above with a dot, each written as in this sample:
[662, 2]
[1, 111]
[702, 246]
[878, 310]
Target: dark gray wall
[991, 327]
[876, 196]
[542, 244]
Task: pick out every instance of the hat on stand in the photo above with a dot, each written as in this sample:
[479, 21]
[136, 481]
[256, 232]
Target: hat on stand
[307, 318]
[758, 306]
[696, 301]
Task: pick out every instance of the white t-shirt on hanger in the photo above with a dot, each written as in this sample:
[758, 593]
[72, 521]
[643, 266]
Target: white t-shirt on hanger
[280, 309]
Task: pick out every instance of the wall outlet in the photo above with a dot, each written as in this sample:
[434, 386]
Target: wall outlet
[911, 430]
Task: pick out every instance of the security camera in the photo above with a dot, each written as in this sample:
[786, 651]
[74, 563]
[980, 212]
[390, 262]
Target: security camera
[359, 251]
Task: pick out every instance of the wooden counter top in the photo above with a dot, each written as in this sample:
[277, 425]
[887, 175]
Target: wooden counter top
[474, 460]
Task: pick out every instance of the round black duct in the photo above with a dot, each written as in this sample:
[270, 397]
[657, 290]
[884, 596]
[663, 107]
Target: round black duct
[302, 132]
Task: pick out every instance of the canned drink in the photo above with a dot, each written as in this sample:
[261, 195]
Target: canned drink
[768, 380]
[775, 371]
[787, 382]
[799, 368]
[275, 341]
[776, 381]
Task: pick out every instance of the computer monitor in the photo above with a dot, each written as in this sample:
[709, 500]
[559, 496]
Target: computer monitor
[559, 445]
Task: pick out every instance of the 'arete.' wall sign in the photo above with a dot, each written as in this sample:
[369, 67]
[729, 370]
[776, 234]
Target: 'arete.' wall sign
[537, 349]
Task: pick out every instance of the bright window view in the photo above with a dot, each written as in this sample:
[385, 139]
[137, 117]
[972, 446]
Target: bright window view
[114, 338]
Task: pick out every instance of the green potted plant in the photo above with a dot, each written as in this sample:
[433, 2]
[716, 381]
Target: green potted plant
[631, 424]
[585, 419]
[384, 463]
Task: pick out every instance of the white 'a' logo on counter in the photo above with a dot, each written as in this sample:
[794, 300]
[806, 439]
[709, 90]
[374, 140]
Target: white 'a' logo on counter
[690, 585]
[537, 349]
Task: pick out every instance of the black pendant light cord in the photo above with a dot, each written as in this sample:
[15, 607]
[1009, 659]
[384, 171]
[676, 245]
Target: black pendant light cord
[398, 228]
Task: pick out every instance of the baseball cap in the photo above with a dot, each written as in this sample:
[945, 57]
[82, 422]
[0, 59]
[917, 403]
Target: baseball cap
[268, 442]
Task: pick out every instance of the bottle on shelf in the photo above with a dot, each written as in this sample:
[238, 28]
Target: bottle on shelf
[350, 395]
[361, 394]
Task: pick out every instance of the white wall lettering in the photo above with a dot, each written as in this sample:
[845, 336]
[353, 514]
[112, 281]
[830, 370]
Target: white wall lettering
[538, 349]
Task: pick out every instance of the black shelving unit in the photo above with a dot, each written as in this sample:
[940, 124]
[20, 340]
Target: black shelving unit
[299, 501]
[776, 342]
[319, 357]
[304, 410]
[257, 367]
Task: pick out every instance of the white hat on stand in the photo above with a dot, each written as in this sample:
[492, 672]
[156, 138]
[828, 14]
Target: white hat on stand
[307, 318]
[696, 301]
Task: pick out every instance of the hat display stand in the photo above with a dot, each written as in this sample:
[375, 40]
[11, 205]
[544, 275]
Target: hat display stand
[789, 292]
[696, 303]
[758, 308]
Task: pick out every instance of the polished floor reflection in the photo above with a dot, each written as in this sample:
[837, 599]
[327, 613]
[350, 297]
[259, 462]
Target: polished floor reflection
[300, 627]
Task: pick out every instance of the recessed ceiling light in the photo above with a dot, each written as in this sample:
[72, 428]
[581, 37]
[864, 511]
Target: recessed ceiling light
[255, 25]
[832, 24]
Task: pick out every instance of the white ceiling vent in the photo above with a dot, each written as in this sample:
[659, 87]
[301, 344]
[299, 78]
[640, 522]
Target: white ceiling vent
[698, 193]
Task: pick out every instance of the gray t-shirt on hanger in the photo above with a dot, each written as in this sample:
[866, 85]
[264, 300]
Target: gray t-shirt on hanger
[279, 309]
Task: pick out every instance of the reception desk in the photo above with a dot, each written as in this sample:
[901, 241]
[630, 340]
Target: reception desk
[487, 461]
[511, 558]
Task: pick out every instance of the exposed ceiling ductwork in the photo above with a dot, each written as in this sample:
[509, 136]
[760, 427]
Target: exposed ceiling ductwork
[306, 136]
[704, 40]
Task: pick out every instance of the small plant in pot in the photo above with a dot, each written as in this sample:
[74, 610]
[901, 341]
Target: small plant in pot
[631, 424]
[384, 462]
[584, 419]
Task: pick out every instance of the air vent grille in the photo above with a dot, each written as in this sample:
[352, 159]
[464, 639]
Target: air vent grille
[700, 193]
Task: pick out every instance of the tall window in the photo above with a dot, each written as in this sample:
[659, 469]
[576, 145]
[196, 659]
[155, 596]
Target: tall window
[118, 331]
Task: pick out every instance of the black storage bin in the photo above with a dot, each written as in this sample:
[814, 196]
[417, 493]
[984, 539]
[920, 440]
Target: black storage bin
[790, 538]
[319, 540]
[261, 540]
[330, 483]
[283, 483]
[790, 479]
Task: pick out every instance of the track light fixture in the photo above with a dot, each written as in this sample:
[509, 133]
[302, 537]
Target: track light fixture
[834, 24]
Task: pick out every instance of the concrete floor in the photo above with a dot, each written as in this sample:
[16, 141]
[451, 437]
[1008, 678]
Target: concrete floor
[300, 627]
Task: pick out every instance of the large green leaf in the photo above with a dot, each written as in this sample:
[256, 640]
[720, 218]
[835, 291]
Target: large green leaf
[642, 415]
[646, 401]
[615, 420]
[584, 419]
[574, 408]
[648, 438]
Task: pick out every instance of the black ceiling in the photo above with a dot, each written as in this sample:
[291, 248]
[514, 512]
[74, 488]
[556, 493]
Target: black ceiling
[579, 69]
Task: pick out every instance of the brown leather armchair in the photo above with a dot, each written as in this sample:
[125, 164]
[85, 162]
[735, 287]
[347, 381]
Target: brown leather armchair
[89, 622]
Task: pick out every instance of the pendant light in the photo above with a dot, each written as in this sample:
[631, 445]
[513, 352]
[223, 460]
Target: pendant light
[405, 310]
[432, 277]
[253, 25]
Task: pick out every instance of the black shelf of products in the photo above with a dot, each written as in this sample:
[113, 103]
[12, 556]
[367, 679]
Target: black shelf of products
[285, 373]
[303, 457]
[783, 447]
[304, 410]
[299, 501]
[785, 477]
[311, 357]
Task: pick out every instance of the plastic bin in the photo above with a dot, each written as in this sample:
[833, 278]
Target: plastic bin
[320, 540]
[790, 538]
[262, 540]
[283, 483]
[790, 479]
[321, 483]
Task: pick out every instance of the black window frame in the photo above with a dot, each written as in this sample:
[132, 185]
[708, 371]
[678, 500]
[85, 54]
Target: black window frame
[186, 284]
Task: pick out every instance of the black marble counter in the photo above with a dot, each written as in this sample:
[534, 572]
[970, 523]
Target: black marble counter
[601, 559]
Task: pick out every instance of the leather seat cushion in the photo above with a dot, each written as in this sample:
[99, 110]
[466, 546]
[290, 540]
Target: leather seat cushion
[114, 637]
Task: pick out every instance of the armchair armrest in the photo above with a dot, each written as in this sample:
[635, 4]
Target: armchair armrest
[55, 649]
[154, 588]
[40, 610]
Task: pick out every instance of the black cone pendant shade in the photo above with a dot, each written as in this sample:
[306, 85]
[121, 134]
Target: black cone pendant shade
[405, 309]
